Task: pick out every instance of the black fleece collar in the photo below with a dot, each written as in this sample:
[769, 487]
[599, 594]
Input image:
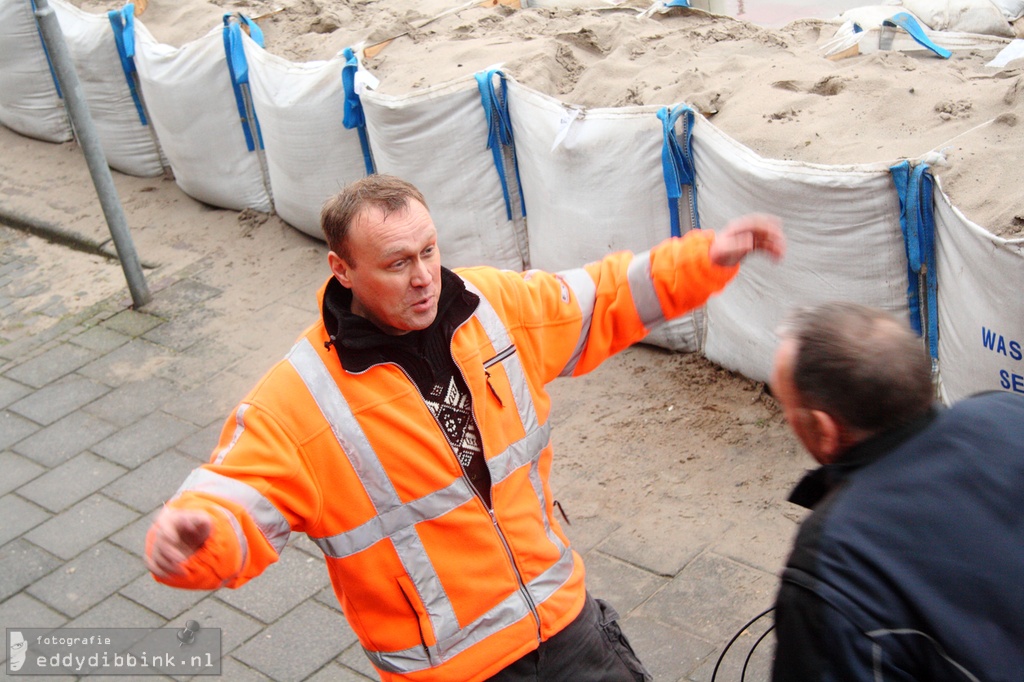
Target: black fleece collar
[818, 483]
[361, 344]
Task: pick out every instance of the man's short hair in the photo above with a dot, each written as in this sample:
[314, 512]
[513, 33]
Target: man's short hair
[861, 365]
[383, 192]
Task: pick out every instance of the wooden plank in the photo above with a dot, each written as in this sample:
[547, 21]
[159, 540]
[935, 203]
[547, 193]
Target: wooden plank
[373, 50]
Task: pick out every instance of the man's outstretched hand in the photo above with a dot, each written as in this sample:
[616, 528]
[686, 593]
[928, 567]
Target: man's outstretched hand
[753, 232]
[176, 535]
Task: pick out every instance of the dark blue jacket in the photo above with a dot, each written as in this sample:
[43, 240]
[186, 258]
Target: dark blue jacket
[911, 566]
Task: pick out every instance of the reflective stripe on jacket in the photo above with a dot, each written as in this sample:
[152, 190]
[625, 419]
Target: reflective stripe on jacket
[436, 585]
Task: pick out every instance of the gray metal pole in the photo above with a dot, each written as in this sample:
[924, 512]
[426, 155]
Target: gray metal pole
[85, 130]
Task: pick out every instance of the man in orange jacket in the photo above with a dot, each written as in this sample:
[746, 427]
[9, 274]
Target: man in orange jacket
[407, 433]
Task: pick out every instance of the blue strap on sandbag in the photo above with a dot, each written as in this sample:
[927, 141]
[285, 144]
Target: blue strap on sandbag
[499, 131]
[915, 187]
[910, 25]
[677, 3]
[677, 164]
[46, 53]
[123, 23]
[354, 117]
[239, 68]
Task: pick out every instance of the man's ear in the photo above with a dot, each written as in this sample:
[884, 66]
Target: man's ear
[340, 267]
[828, 436]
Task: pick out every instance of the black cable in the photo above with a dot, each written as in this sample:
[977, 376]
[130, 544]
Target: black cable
[743, 673]
[737, 636]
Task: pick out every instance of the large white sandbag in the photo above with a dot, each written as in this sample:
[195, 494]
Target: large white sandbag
[844, 242]
[981, 309]
[189, 93]
[310, 154]
[966, 16]
[128, 144]
[29, 101]
[870, 16]
[437, 139]
[593, 184]
[1011, 9]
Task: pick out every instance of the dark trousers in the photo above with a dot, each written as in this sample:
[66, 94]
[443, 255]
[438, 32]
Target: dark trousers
[590, 649]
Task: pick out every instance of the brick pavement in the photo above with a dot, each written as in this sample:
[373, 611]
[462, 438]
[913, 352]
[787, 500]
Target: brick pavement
[104, 411]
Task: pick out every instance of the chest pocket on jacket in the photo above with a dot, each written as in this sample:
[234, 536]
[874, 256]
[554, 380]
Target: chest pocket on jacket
[505, 353]
[499, 388]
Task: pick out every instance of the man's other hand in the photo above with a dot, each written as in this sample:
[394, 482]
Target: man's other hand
[176, 535]
[753, 232]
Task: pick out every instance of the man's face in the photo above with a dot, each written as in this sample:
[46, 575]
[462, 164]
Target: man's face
[394, 268]
[799, 417]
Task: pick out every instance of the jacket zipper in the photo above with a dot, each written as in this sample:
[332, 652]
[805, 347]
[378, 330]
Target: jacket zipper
[490, 512]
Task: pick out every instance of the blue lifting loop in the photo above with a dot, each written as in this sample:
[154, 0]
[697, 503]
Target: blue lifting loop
[239, 68]
[910, 25]
[677, 164]
[354, 117]
[123, 23]
[915, 186]
[499, 131]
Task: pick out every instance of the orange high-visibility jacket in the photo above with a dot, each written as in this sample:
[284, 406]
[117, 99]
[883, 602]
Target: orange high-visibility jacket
[436, 585]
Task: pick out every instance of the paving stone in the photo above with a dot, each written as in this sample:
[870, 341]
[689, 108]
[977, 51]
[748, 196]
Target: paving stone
[137, 443]
[21, 564]
[236, 628]
[132, 538]
[297, 645]
[667, 652]
[354, 658]
[203, 360]
[211, 403]
[73, 531]
[100, 339]
[14, 428]
[131, 401]
[180, 333]
[180, 297]
[58, 399]
[622, 585]
[118, 612]
[22, 611]
[200, 444]
[70, 482]
[153, 483]
[761, 654]
[52, 365]
[587, 532]
[293, 579]
[132, 322]
[17, 471]
[136, 360]
[88, 579]
[666, 543]
[763, 542]
[11, 391]
[335, 672]
[279, 327]
[159, 598]
[327, 597]
[20, 516]
[231, 669]
[712, 598]
[64, 439]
